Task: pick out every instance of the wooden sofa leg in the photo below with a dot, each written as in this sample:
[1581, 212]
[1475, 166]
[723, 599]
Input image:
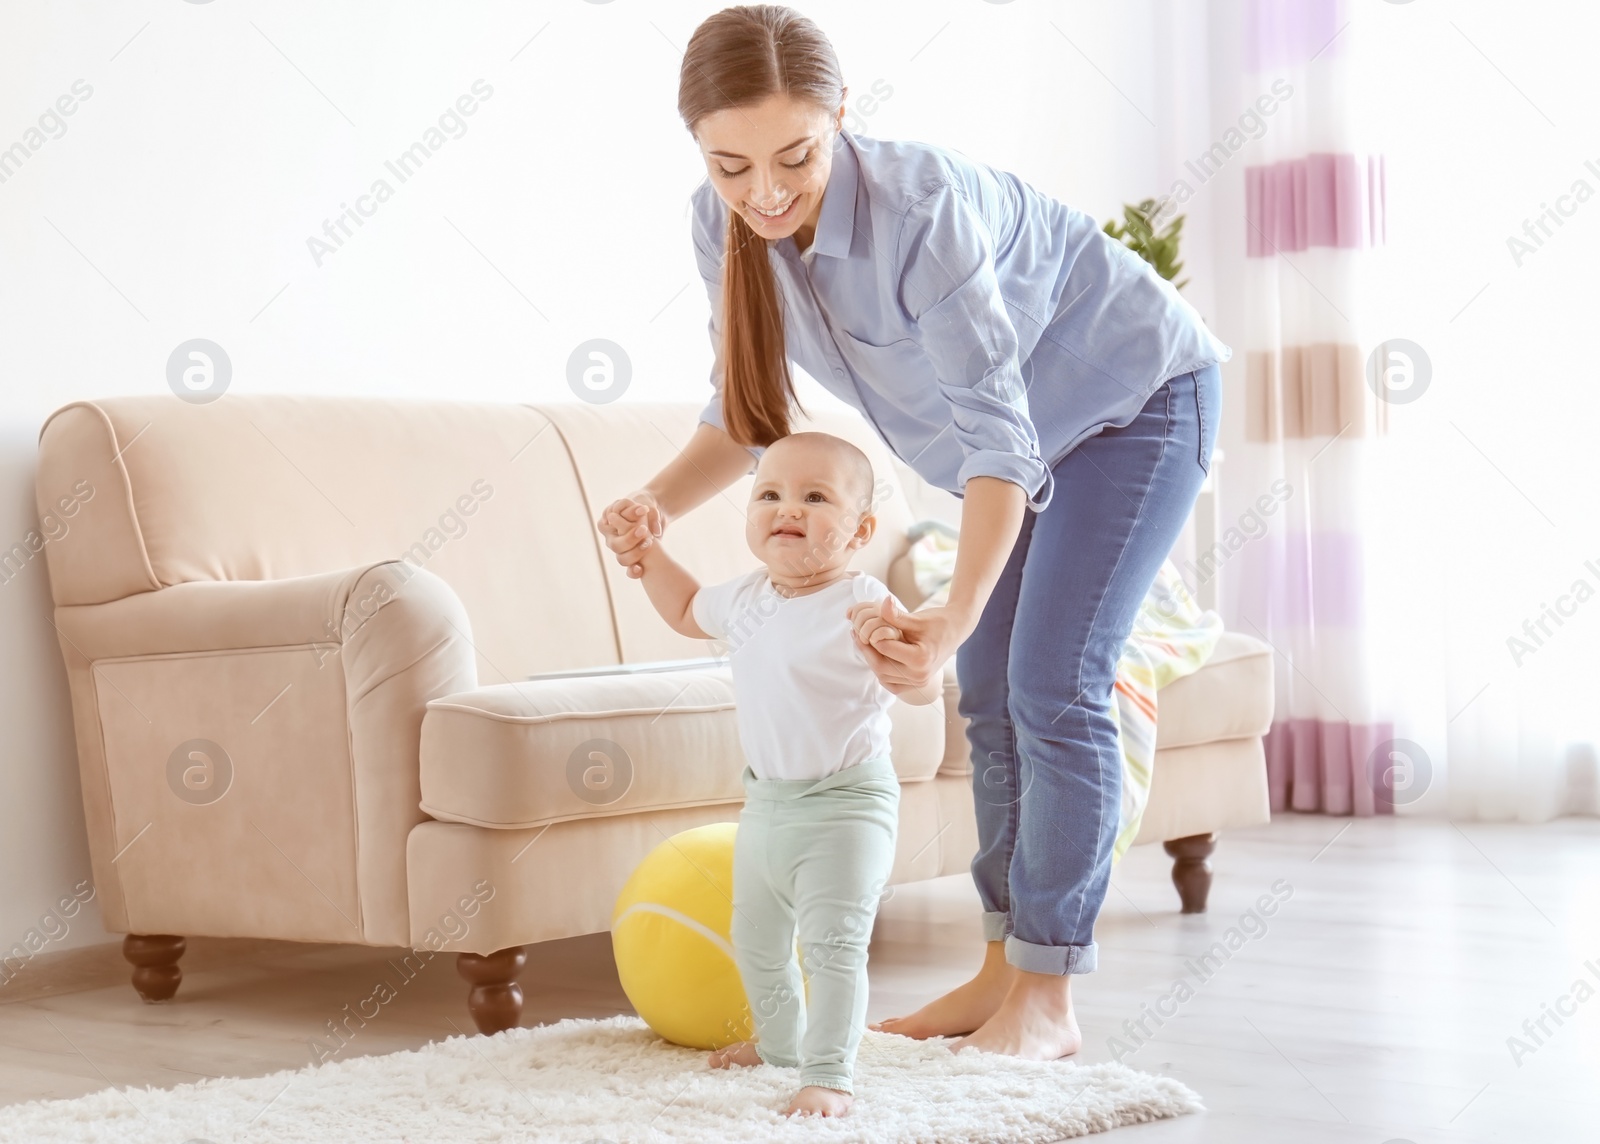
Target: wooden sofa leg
[496, 998]
[154, 957]
[1191, 873]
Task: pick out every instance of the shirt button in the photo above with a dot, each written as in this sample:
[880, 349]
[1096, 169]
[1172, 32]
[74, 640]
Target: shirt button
[837, 372]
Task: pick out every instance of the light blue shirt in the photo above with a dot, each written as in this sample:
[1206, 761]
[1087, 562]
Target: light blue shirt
[982, 327]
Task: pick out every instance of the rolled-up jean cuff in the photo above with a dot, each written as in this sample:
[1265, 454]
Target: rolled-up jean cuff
[1060, 959]
[996, 926]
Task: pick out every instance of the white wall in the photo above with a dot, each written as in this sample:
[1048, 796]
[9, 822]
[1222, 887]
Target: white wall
[219, 136]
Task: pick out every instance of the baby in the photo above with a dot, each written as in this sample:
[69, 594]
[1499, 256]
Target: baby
[816, 835]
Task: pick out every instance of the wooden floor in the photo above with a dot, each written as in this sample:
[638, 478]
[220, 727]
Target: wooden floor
[1374, 1006]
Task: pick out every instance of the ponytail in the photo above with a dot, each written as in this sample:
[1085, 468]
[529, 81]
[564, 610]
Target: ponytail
[757, 388]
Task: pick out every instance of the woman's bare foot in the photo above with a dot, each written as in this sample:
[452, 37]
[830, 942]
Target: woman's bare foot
[816, 1101]
[739, 1054]
[964, 1008]
[1034, 1022]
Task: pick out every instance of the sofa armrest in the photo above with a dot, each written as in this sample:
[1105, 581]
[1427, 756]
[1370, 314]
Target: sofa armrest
[218, 615]
[312, 689]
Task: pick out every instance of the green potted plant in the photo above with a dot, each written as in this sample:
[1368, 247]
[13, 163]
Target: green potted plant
[1138, 233]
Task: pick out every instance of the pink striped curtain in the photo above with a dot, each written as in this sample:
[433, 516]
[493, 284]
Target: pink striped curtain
[1316, 200]
[1314, 210]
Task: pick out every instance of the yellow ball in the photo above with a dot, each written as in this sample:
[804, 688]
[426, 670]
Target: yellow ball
[670, 935]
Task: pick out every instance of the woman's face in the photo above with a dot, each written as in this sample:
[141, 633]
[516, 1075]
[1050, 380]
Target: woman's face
[773, 155]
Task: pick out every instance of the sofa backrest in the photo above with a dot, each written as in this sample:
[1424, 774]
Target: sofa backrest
[499, 500]
[615, 451]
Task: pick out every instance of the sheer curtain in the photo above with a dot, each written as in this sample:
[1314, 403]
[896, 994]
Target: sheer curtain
[1491, 585]
[1408, 483]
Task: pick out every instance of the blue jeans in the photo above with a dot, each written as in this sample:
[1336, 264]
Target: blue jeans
[1037, 672]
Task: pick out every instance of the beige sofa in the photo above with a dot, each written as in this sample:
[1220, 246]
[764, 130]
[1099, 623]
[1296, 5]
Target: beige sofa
[299, 633]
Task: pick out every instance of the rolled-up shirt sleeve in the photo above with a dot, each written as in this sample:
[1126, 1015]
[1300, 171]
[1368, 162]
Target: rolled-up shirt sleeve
[949, 288]
[708, 255]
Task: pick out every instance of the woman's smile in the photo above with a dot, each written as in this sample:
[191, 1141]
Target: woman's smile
[775, 219]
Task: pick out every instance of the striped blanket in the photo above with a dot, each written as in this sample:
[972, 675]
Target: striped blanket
[1172, 637]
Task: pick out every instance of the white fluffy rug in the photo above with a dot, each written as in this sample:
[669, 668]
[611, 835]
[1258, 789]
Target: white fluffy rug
[611, 1080]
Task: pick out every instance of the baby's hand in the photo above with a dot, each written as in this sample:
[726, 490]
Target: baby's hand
[869, 625]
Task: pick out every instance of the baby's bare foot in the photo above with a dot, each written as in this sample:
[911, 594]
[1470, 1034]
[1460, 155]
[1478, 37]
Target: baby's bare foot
[813, 1100]
[741, 1053]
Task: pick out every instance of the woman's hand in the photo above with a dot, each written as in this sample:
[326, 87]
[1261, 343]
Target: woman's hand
[907, 649]
[630, 525]
[991, 519]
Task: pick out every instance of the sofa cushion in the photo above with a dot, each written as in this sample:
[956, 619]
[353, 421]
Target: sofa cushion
[549, 750]
[1229, 698]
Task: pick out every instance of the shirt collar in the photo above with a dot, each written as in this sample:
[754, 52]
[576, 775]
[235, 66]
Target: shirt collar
[837, 223]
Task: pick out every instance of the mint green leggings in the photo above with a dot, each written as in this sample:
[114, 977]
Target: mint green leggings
[812, 855]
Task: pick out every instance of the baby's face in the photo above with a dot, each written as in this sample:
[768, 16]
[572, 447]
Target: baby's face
[806, 515]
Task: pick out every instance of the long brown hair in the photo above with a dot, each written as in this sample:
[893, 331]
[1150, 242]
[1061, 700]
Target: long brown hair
[736, 58]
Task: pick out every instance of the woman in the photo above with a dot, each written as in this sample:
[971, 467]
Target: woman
[1008, 351]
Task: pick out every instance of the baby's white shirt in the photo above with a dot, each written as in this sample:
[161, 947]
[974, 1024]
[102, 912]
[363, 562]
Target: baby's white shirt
[806, 700]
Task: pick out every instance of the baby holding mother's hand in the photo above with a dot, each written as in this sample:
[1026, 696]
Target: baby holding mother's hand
[816, 836]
